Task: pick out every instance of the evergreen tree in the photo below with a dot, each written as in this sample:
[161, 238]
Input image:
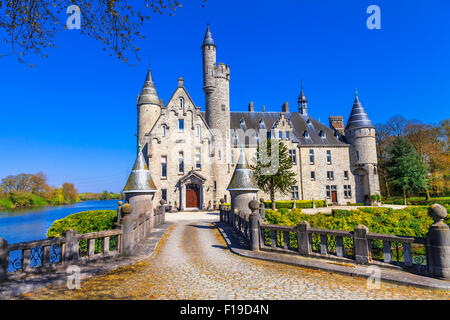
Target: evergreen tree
[268, 180]
[405, 169]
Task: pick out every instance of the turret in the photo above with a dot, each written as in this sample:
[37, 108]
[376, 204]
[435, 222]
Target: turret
[149, 108]
[360, 134]
[302, 103]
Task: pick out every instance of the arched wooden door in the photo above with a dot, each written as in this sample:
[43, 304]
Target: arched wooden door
[192, 196]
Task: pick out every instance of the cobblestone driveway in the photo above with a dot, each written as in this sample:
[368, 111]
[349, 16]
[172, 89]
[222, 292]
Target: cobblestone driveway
[192, 262]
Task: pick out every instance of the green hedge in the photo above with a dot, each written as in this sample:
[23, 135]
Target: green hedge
[84, 222]
[410, 221]
[417, 201]
[287, 204]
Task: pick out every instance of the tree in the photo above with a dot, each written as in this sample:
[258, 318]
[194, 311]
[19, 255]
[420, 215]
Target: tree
[405, 169]
[29, 26]
[105, 195]
[69, 192]
[282, 179]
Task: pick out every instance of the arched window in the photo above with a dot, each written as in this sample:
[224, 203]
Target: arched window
[181, 103]
[322, 134]
[198, 130]
[164, 128]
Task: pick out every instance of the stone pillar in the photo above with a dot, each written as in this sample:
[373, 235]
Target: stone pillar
[72, 249]
[262, 209]
[4, 259]
[304, 246]
[438, 243]
[254, 225]
[127, 237]
[361, 244]
[162, 211]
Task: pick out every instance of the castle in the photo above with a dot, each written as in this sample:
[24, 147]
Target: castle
[192, 153]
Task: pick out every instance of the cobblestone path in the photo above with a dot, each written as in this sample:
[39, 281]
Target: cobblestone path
[192, 262]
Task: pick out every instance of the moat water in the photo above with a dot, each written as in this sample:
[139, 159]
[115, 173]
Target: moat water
[32, 223]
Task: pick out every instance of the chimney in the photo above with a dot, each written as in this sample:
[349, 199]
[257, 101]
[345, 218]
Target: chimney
[161, 102]
[264, 109]
[285, 107]
[337, 123]
[251, 107]
[180, 83]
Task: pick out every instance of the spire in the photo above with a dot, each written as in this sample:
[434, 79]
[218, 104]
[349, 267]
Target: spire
[140, 180]
[302, 102]
[358, 117]
[208, 37]
[242, 178]
[148, 93]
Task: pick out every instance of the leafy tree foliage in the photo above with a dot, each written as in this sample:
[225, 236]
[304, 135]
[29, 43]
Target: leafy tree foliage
[405, 169]
[280, 181]
[29, 26]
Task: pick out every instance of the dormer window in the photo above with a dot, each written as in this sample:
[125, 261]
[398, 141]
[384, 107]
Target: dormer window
[306, 134]
[308, 121]
[322, 134]
[262, 125]
[242, 124]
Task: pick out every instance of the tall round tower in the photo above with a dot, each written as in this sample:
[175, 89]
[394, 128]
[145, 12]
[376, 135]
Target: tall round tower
[148, 109]
[216, 85]
[360, 134]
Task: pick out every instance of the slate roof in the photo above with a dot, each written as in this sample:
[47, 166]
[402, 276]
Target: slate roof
[148, 93]
[140, 179]
[208, 37]
[242, 178]
[358, 117]
[299, 123]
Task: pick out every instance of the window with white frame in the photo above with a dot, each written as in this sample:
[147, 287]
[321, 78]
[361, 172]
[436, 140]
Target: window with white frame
[346, 175]
[198, 130]
[313, 175]
[287, 135]
[163, 166]
[293, 156]
[328, 156]
[330, 175]
[180, 125]
[294, 192]
[311, 156]
[280, 134]
[180, 162]
[347, 191]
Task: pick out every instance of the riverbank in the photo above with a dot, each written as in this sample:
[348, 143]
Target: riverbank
[28, 224]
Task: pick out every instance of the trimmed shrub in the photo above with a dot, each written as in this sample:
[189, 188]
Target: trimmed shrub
[84, 222]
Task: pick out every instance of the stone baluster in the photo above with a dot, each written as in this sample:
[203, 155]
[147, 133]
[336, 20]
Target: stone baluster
[254, 225]
[4, 259]
[72, 253]
[361, 244]
[127, 237]
[303, 243]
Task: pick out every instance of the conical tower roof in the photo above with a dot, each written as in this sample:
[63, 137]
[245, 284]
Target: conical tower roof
[148, 93]
[140, 180]
[208, 38]
[242, 178]
[358, 117]
[302, 97]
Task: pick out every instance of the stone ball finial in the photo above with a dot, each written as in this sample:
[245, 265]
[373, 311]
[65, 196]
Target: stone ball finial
[126, 208]
[162, 202]
[253, 205]
[437, 212]
[120, 203]
[222, 201]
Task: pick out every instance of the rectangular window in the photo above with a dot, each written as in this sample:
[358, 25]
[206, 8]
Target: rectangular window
[280, 135]
[313, 175]
[329, 156]
[330, 175]
[294, 192]
[215, 185]
[347, 191]
[164, 194]
[346, 175]
[163, 166]
[287, 135]
[311, 156]
[328, 192]
[198, 158]
[180, 162]
[293, 156]
[357, 155]
[180, 124]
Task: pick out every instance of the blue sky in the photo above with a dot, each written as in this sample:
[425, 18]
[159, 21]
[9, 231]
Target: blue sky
[74, 115]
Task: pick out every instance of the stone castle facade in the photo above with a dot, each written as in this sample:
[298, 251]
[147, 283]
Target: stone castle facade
[192, 154]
